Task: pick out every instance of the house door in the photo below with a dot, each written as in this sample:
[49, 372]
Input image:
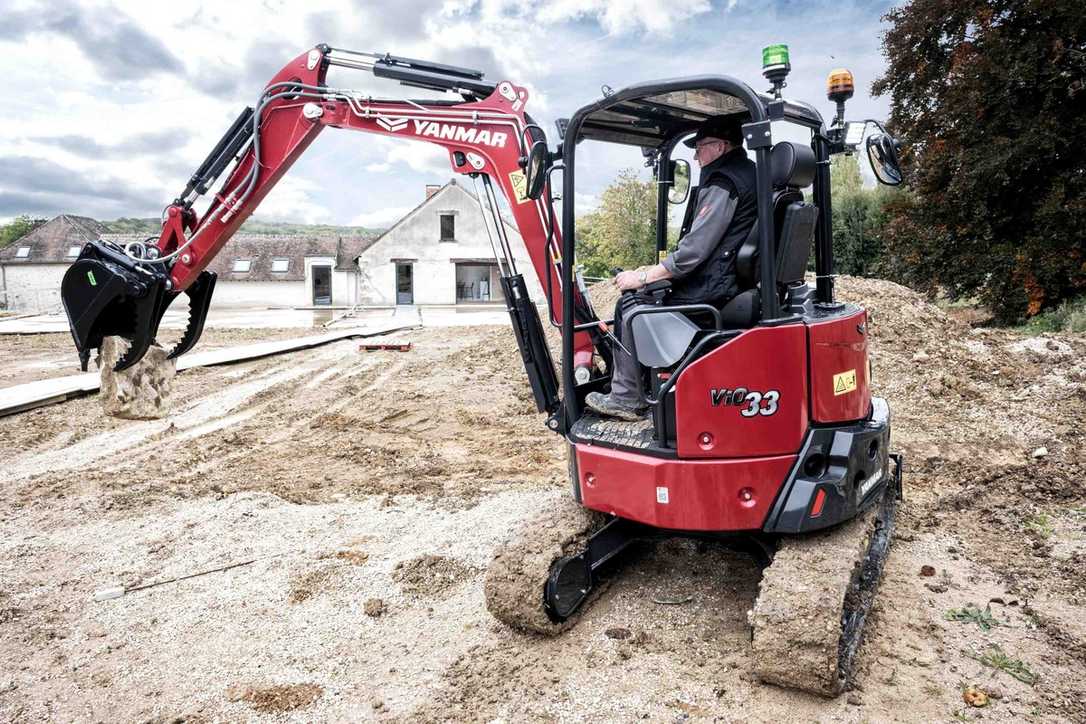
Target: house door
[405, 284]
[322, 285]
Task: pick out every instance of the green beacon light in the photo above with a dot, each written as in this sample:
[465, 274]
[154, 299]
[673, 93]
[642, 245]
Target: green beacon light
[775, 66]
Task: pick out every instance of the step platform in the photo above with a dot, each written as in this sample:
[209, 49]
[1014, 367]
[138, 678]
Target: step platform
[636, 435]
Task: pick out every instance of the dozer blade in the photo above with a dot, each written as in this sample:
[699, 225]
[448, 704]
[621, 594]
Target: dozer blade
[106, 293]
[199, 293]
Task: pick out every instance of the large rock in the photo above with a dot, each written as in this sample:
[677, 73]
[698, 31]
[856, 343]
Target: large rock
[140, 392]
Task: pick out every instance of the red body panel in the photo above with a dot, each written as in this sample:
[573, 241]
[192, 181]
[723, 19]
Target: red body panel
[700, 494]
[839, 375]
[760, 360]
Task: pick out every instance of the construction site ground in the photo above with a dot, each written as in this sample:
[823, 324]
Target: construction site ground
[366, 492]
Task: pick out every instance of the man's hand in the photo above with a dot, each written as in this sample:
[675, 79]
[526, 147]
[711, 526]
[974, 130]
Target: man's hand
[628, 280]
[633, 279]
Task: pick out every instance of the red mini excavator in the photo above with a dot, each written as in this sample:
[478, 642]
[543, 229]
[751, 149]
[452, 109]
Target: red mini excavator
[763, 432]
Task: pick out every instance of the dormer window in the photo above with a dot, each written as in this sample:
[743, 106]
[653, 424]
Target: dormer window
[23, 252]
[280, 266]
[242, 265]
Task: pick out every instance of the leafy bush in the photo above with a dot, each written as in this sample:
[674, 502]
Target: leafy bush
[989, 98]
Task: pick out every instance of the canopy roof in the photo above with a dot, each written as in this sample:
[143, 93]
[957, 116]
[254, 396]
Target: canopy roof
[649, 114]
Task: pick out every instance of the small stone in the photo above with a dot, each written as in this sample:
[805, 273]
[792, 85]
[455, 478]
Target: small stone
[927, 571]
[921, 356]
[617, 632]
[854, 699]
[974, 696]
[994, 692]
[1040, 453]
[378, 704]
[936, 587]
[374, 607]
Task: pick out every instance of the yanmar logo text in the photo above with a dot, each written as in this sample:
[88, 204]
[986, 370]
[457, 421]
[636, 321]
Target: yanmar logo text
[447, 132]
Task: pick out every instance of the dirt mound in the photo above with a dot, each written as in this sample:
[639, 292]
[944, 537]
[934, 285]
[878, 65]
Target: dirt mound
[524, 561]
[1024, 521]
[276, 699]
[897, 315]
[430, 575]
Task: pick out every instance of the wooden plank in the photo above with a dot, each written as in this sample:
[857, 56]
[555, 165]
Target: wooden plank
[29, 395]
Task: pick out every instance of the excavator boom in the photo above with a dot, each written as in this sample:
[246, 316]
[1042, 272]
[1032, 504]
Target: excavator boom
[486, 132]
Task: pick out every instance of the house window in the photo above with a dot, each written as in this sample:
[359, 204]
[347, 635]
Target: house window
[242, 265]
[280, 265]
[73, 251]
[448, 227]
[22, 252]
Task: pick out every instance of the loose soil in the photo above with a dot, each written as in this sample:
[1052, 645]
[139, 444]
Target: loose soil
[354, 478]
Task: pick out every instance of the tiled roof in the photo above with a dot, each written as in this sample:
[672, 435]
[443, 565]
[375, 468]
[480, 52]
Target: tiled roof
[50, 242]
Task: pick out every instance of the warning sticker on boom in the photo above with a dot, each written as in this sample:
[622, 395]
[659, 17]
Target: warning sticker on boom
[520, 185]
[844, 382]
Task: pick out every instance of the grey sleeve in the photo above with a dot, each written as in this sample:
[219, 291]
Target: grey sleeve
[716, 206]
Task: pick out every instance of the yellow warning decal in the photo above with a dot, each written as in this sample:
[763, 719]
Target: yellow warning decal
[844, 382]
[520, 185]
[660, 256]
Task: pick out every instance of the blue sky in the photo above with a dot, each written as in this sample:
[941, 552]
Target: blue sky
[112, 105]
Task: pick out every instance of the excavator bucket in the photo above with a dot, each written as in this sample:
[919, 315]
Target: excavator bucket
[107, 293]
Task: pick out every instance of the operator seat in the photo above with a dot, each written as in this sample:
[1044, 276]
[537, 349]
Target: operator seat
[792, 167]
[660, 340]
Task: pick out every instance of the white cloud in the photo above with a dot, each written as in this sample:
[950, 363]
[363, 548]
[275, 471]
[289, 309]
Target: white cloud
[561, 50]
[420, 157]
[623, 16]
[381, 217]
[292, 199]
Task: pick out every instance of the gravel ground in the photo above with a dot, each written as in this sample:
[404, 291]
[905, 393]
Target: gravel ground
[366, 493]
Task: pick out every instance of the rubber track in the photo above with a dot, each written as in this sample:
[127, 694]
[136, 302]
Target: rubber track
[515, 578]
[813, 599]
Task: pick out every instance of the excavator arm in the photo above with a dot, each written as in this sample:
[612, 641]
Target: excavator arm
[111, 290]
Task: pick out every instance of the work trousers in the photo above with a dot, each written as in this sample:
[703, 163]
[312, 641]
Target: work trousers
[625, 374]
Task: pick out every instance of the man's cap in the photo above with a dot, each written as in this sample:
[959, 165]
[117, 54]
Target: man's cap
[726, 128]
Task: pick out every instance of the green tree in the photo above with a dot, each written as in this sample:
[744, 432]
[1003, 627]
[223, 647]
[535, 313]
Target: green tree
[17, 228]
[622, 230]
[988, 97]
[859, 217]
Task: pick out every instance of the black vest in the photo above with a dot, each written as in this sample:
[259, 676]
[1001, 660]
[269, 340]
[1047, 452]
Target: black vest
[713, 281]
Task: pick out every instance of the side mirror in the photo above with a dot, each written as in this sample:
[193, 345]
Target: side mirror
[882, 153]
[535, 170]
[680, 181]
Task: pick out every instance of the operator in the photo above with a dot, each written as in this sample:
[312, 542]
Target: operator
[702, 268]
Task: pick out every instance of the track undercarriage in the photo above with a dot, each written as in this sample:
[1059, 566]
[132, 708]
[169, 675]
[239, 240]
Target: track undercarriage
[807, 622]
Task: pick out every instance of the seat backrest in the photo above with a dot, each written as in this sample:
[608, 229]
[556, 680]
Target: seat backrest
[794, 242]
[792, 167]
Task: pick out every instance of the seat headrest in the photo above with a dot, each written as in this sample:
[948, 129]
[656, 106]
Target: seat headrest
[792, 164]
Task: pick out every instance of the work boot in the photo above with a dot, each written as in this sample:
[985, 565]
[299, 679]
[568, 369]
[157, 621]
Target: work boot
[610, 407]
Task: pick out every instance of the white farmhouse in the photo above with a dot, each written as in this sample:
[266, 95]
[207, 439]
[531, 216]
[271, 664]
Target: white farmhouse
[439, 253]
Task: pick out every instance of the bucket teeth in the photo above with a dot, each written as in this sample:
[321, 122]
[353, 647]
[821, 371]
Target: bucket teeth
[199, 294]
